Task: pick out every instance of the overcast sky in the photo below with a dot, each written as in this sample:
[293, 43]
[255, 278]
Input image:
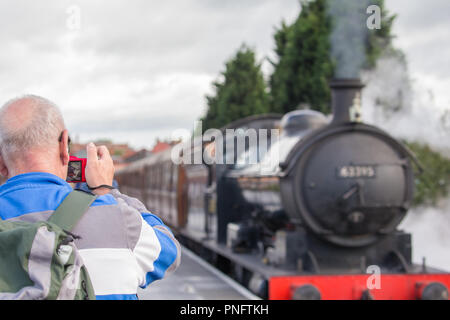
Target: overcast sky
[135, 70]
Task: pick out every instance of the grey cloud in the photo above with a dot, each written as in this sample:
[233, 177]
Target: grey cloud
[146, 65]
[422, 29]
[420, 15]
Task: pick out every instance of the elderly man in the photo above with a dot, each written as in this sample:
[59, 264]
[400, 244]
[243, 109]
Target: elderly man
[122, 244]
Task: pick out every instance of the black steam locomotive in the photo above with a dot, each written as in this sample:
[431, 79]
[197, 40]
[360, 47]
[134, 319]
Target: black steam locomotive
[313, 214]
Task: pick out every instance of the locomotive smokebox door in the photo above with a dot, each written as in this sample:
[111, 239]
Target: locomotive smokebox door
[352, 184]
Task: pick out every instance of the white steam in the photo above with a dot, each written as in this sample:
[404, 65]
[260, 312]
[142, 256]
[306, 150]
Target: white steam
[404, 108]
[430, 228]
[407, 110]
[348, 44]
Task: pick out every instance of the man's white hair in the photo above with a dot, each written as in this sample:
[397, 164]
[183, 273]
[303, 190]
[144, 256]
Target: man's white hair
[42, 125]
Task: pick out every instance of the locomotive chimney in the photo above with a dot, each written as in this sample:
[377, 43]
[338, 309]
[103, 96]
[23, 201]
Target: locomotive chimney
[345, 99]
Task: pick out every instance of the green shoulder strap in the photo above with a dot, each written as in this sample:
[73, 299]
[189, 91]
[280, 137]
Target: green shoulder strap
[72, 209]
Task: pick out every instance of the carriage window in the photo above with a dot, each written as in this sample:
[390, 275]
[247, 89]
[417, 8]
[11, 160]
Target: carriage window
[149, 177]
[157, 175]
[165, 176]
[169, 175]
[174, 176]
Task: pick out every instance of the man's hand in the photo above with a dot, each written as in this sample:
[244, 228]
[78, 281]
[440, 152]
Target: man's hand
[99, 168]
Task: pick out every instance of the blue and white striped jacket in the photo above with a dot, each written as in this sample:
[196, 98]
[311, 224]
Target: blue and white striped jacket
[122, 244]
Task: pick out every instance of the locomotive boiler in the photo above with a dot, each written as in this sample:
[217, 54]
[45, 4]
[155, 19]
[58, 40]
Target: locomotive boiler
[311, 214]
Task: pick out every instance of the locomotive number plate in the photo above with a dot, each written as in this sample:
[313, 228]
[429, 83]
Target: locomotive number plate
[356, 171]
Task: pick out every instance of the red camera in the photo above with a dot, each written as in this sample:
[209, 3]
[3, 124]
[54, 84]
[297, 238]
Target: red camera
[76, 169]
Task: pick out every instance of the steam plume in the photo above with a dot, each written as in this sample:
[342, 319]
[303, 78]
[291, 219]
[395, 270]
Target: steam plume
[349, 35]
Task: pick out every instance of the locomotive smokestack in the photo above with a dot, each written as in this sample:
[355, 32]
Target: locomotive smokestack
[345, 94]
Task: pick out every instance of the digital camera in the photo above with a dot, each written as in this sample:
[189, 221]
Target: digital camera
[76, 170]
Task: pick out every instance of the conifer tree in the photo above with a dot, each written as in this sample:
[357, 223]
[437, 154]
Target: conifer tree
[241, 93]
[304, 66]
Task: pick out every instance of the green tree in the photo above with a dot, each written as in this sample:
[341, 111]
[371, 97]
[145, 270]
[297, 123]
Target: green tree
[241, 93]
[304, 67]
[434, 182]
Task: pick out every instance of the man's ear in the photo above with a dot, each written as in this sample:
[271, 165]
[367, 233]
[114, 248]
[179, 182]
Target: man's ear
[64, 148]
[3, 168]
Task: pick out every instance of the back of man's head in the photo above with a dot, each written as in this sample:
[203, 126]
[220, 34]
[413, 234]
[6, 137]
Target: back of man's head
[29, 123]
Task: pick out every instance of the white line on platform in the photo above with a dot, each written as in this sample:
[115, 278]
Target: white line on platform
[232, 283]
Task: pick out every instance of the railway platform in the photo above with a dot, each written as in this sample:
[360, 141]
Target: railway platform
[195, 279]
